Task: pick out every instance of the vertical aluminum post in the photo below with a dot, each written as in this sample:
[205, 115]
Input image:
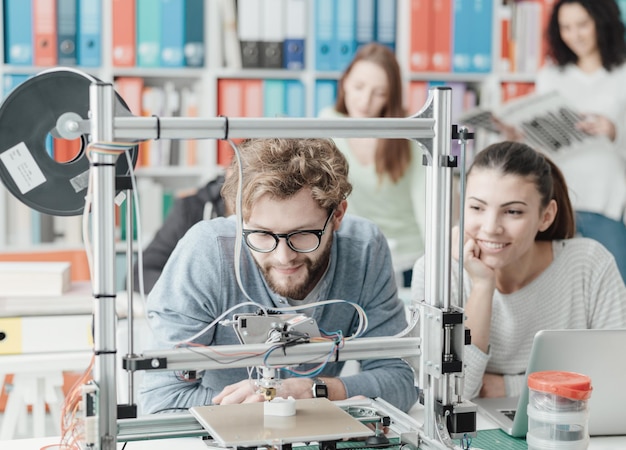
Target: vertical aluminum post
[437, 259]
[101, 100]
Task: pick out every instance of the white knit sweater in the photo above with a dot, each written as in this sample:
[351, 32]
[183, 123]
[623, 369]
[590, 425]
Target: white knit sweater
[581, 288]
[595, 175]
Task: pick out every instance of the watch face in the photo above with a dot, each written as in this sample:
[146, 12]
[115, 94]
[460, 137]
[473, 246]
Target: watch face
[320, 390]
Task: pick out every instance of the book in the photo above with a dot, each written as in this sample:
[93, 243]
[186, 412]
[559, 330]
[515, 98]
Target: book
[272, 34]
[34, 278]
[89, 33]
[325, 35]
[295, 34]
[229, 103]
[547, 121]
[66, 32]
[249, 13]
[193, 42]
[173, 32]
[419, 36]
[124, 31]
[228, 47]
[386, 17]
[44, 32]
[148, 33]
[18, 32]
[68, 333]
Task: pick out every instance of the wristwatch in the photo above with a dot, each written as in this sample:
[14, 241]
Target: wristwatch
[319, 389]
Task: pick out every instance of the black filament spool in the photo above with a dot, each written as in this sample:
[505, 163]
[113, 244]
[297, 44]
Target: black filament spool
[27, 116]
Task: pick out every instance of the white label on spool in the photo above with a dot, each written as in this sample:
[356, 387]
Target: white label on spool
[22, 167]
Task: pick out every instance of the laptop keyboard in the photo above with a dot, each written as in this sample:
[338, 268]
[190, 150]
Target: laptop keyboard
[510, 413]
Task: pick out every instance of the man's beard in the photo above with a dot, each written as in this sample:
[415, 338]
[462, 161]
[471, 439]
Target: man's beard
[314, 271]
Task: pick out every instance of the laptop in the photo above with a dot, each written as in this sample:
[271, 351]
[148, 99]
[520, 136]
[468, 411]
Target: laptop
[595, 353]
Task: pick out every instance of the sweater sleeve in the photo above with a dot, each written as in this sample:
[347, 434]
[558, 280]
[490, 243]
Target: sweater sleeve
[184, 301]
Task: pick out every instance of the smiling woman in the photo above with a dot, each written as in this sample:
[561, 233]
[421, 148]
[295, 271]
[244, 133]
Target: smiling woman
[524, 270]
[587, 67]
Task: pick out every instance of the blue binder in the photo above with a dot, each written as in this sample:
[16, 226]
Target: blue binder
[325, 94]
[66, 32]
[463, 35]
[386, 17]
[482, 41]
[294, 98]
[18, 32]
[89, 51]
[194, 33]
[172, 33]
[325, 36]
[346, 32]
[295, 34]
[365, 22]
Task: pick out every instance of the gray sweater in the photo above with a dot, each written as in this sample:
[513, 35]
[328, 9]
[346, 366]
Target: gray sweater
[581, 288]
[198, 284]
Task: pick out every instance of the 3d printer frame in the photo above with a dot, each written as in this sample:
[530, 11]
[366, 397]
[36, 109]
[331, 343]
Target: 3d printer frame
[441, 323]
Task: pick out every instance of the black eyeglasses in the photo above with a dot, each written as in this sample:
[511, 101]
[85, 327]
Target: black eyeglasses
[301, 241]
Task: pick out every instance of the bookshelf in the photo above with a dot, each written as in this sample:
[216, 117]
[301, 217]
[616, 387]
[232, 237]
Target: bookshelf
[313, 83]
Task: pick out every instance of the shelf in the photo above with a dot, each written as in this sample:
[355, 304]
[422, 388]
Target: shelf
[256, 92]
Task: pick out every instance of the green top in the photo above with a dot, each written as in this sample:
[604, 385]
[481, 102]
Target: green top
[397, 208]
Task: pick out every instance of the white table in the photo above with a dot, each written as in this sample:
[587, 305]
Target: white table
[597, 443]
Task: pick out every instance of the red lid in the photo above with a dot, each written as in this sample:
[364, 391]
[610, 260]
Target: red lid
[570, 385]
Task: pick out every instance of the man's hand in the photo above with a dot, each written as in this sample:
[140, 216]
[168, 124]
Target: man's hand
[243, 392]
[246, 391]
[493, 386]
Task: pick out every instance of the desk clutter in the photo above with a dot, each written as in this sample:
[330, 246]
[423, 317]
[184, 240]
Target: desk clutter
[46, 341]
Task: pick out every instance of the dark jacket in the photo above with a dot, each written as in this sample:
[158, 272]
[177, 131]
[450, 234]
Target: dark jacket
[185, 212]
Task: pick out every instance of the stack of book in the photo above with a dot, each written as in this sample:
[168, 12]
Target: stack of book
[34, 278]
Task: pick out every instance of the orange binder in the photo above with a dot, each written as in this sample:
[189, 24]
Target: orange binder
[441, 36]
[230, 104]
[507, 48]
[131, 91]
[237, 98]
[546, 12]
[252, 98]
[44, 32]
[420, 35]
[123, 33]
[513, 89]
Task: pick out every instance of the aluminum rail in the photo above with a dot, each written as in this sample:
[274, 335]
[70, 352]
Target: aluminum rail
[190, 358]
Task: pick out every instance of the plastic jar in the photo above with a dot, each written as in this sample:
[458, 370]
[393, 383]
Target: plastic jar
[557, 411]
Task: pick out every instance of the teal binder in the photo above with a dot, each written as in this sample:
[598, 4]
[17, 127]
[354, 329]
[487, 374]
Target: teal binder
[148, 33]
[18, 32]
